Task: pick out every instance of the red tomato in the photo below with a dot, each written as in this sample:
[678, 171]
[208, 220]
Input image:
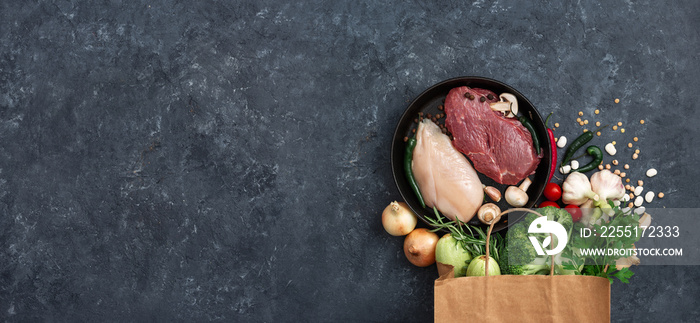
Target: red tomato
[552, 191]
[575, 212]
[549, 203]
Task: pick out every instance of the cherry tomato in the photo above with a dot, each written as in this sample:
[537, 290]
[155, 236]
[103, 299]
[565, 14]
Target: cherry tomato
[549, 203]
[552, 191]
[575, 212]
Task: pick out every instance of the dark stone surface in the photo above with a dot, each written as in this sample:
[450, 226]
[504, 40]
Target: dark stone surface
[229, 160]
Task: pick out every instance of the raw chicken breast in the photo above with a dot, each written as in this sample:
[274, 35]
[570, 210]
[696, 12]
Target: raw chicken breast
[444, 176]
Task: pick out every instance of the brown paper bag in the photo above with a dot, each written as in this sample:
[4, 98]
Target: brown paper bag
[536, 298]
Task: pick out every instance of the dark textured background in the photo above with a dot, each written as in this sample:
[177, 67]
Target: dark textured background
[230, 159]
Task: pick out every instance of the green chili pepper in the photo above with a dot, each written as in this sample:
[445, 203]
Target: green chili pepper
[407, 162]
[528, 125]
[597, 155]
[578, 143]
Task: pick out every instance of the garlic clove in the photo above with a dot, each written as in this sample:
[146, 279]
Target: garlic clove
[493, 193]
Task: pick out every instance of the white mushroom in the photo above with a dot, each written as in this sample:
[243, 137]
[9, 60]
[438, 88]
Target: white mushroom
[489, 213]
[516, 196]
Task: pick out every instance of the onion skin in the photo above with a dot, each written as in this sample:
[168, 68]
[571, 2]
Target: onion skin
[398, 219]
[419, 247]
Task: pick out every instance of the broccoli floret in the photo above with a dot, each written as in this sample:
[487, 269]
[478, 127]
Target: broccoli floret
[518, 250]
[519, 256]
[559, 215]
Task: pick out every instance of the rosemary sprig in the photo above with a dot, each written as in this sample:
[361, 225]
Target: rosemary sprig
[464, 233]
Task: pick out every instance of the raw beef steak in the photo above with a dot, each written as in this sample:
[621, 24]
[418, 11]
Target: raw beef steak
[499, 147]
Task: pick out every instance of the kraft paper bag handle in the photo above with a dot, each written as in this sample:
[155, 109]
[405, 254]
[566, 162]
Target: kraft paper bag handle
[488, 237]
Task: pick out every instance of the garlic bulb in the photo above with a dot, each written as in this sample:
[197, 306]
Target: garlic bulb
[577, 189]
[607, 185]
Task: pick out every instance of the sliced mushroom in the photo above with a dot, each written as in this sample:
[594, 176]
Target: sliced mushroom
[503, 107]
[507, 97]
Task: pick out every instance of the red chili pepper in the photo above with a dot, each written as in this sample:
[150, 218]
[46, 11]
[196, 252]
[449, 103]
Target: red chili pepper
[553, 148]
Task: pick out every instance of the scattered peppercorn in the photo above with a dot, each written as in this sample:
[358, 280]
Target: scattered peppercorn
[635, 139]
[596, 111]
[482, 99]
[580, 113]
[614, 128]
[598, 133]
[661, 195]
[622, 130]
[627, 166]
[615, 162]
[490, 96]
[617, 100]
[629, 145]
[619, 123]
[641, 121]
